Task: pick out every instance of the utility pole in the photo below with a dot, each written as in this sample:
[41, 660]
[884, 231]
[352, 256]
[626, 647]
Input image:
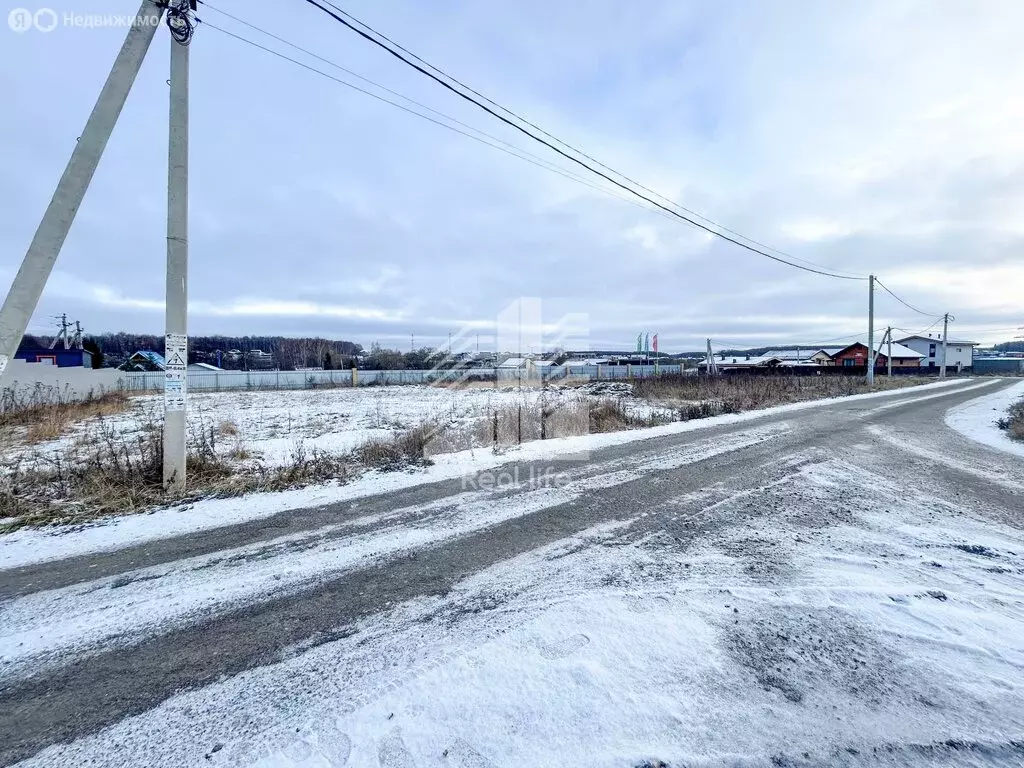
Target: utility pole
[62, 335]
[871, 329]
[888, 349]
[945, 345]
[28, 285]
[712, 368]
[176, 340]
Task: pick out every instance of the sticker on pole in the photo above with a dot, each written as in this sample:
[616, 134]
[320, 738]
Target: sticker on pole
[175, 376]
[3, 363]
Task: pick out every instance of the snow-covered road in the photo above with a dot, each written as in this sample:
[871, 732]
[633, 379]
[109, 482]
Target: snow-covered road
[801, 589]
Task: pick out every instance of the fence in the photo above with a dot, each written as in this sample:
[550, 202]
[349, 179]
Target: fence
[258, 380]
[48, 383]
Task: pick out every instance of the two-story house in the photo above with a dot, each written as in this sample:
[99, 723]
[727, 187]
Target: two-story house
[960, 354]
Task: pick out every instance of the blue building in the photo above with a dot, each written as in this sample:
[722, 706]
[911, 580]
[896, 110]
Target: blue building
[60, 357]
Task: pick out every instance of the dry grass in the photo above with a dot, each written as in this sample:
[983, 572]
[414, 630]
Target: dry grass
[398, 452]
[1013, 422]
[701, 396]
[114, 473]
[48, 415]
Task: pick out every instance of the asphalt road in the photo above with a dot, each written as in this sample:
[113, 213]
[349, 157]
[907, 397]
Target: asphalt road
[63, 702]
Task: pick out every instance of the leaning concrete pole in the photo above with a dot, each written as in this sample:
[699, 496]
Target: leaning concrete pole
[176, 342]
[42, 253]
[871, 329]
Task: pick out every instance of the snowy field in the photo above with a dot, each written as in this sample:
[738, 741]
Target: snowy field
[272, 425]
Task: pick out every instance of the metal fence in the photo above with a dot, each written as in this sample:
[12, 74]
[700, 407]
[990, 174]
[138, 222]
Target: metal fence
[262, 380]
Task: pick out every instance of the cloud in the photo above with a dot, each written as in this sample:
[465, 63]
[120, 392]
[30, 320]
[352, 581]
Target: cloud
[868, 137]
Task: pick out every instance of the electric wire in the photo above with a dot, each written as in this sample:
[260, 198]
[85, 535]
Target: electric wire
[825, 272]
[515, 151]
[512, 149]
[904, 303]
[577, 150]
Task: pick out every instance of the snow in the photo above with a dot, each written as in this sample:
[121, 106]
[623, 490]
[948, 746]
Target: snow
[48, 624]
[26, 546]
[977, 419]
[886, 626]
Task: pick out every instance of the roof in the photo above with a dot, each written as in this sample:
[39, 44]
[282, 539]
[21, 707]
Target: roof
[514, 362]
[205, 367]
[936, 338]
[764, 360]
[898, 350]
[803, 353]
[154, 357]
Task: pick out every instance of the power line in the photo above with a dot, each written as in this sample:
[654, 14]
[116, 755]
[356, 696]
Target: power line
[905, 304]
[515, 151]
[512, 149]
[923, 330]
[565, 154]
[577, 150]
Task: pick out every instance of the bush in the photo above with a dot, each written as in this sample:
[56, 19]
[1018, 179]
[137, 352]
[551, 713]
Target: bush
[48, 412]
[701, 396]
[1013, 422]
[398, 452]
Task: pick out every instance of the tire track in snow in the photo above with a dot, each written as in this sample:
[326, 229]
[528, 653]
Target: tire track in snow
[42, 630]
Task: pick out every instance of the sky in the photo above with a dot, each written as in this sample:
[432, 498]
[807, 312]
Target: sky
[869, 137]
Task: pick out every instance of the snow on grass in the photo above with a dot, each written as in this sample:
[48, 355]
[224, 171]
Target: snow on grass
[45, 626]
[977, 419]
[886, 631]
[26, 546]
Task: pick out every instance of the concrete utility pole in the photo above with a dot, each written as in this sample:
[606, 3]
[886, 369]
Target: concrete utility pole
[30, 281]
[871, 329]
[176, 342]
[888, 351]
[945, 345]
[62, 335]
[712, 368]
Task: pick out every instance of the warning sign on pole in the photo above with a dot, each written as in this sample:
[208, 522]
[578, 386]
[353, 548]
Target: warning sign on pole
[176, 376]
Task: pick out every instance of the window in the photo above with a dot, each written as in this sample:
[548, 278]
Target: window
[931, 350]
[849, 362]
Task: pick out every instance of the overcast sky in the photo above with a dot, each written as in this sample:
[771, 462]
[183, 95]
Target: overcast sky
[866, 136]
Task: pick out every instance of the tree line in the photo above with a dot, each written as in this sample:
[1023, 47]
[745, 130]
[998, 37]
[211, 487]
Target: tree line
[112, 349]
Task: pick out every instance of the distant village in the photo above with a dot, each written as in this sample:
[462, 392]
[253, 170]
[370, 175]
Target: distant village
[70, 348]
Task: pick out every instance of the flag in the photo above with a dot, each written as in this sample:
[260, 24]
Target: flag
[655, 342]
[647, 344]
[639, 337]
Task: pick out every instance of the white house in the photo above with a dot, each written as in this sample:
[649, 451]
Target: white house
[960, 353]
